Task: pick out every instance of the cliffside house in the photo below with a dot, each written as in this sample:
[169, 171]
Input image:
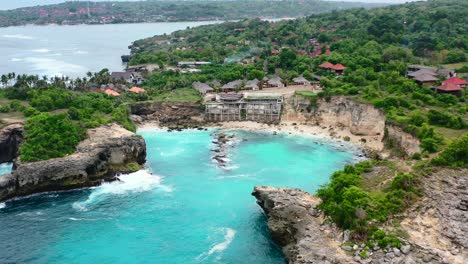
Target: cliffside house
[275, 82]
[203, 88]
[450, 88]
[137, 90]
[129, 77]
[252, 85]
[411, 70]
[456, 81]
[301, 81]
[232, 86]
[424, 78]
[112, 92]
[338, 69]
[238, 107]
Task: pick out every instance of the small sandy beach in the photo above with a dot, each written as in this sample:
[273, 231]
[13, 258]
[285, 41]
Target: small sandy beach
[373, 143]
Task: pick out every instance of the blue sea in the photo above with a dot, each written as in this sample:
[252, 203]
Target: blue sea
[183, 208]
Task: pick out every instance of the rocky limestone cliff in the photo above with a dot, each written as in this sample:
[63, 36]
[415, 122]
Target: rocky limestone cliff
[342, 112]
[167, 113]
[307, 237]
[107, 151]
[296, 226]
[361, 119]
[403, 141]
[11, 137]
[439, 222]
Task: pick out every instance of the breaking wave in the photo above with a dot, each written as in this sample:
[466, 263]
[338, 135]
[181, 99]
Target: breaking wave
[229, 235]
[2, 205]
[41, 50]
[140, 181]
[17, 36]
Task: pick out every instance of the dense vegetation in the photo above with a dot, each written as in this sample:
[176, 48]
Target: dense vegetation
[76, 12]
[376, 46]
[353, 206]
[57, 116]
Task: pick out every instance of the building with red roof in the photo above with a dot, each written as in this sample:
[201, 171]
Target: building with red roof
[327, 65]
[137, 90]
[111, 92]
[337, 68]
[456, 81]
[450, 88]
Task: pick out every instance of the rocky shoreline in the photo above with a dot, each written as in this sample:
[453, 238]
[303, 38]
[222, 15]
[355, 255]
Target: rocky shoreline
[306, 236]
[108, 150]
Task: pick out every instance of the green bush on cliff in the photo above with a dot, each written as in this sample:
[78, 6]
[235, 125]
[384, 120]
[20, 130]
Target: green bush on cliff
[455, 155]
[350, 206]
[50, 136]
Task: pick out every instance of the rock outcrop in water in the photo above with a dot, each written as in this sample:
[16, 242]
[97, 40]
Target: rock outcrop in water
[10, 139]
[296, 226]
[108, 150]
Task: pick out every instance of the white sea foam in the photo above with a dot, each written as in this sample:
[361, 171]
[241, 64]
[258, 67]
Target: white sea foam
[140, 181]
[2, 205]
[81, 52]
[41, 50]
[16, 59]
[53, 67]
[229, 235]
[17, 36]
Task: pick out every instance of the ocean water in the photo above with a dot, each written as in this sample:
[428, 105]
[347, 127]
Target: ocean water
[74, 50]
[183, 208]
[5, 168]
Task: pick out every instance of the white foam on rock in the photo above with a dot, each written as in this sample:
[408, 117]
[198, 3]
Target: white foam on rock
[140, 181]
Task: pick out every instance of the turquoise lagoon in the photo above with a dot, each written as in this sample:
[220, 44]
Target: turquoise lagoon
[183, 208]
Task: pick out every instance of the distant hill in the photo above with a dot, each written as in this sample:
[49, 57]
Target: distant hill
[83, 12]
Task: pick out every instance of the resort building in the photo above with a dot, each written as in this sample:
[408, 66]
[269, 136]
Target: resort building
[237, 107]
[232, 86]
[137, 90]
[203, 88]
[450, 88]
[275, 82]
[301, 81]
[456, 81]
[338, 69]
[252, 85]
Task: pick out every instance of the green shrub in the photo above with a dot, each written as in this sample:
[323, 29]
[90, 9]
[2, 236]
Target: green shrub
[50, 136]
[455, 155]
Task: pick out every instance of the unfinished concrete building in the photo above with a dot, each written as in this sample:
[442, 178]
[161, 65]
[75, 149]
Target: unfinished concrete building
[252, 107]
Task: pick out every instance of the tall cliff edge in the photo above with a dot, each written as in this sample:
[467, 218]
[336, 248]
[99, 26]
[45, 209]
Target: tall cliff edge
[106, 152]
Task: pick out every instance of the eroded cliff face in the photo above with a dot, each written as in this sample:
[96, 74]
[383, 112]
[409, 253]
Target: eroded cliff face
[296, 226]
[439, 221]
[360, 119]
[403, 141]
[107, 151]
[168, 114]
[10, 140]
[307, 237]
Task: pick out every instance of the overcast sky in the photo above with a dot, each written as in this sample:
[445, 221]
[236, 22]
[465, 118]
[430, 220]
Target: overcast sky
[10, 4]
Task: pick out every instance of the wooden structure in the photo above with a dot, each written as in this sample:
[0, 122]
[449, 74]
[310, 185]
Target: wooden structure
[237, 107]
